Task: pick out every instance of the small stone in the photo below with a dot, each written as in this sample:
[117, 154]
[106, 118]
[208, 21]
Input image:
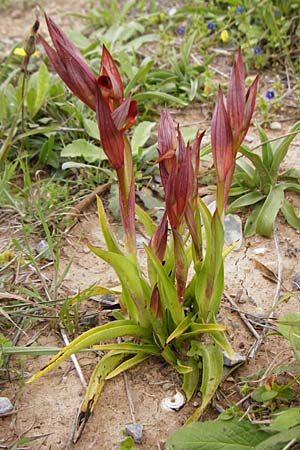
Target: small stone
[43, 247]
[233, 230]
[275, 126]
[238, 359]
[260, 250]
[296, 282]
[135, 430]
[249, 138]
[5, 406]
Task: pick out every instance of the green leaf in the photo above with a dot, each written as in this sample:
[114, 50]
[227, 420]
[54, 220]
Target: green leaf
[281, 148]
[199, 328]
[278, 440]
[289, 327]
[167, 289]
[146, 220]
[106, 364]
[41, 88]
[217, 435]
[128, 364]
[189, 133]
[110, 239]
[4, 342]
[91, 127]
[264, 177]
[269, 211]
[191, 379]
[108, 331]
[284, 420]
[141, 135]
[128, 274]
[267, 152]
[139, 76]
[212, 371]
[290, 215]
[127, 444]
[160, 96]
[245, 200]
[129, 347]
[84, 149]
[180, 329]
[250, 225]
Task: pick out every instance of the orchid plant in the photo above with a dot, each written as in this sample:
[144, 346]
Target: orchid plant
[168, 311]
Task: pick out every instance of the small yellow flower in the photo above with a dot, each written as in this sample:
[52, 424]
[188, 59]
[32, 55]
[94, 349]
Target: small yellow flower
[206, 89]
[21, 52]
[224, 36]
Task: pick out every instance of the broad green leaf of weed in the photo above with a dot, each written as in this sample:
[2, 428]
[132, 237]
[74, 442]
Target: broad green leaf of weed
[84, 149]
[277, 441]
[141, 135]
[284, 420]
[217, 435]
[91, 127]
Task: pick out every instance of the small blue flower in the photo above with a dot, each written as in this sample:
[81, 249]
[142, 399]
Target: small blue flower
[181, 29]
[240, 9]
[277, 13]
[257, 50]
[210, 25]
[270, 95]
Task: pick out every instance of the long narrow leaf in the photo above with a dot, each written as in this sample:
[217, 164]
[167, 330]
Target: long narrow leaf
[109, 238]
[105, 332]
[104, 367]
[281, 149]
[167, 289]
[290, 215]
[128, 364]
[129, 277]
[212, 372]
[269, 211]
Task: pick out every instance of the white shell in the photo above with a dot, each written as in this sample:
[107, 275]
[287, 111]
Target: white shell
[173, 403]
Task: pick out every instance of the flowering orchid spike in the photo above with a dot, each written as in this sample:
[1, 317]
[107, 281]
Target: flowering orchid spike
[158, 242]
[236, 99]
[111, 138]
[221, 138]
[167, 143]
[109, 68]
[229, 127]
[240, 106]
[222, 148]
[70, 65]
